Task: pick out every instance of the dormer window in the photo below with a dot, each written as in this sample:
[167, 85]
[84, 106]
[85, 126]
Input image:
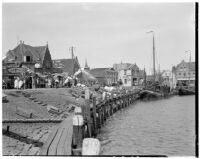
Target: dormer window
[27, 58]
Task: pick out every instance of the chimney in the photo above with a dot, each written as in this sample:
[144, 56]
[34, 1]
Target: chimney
[20, 42]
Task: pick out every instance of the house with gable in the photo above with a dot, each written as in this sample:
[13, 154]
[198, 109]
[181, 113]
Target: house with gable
[130, 74]
[105, 76]
[185, 73]
[25, 59]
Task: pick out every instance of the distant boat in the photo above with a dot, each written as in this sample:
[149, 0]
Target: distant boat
[186, 91]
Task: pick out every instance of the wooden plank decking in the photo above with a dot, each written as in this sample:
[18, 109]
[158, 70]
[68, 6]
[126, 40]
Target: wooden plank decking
[60, 140]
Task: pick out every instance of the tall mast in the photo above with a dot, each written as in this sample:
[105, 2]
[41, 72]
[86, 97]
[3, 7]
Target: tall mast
[72, 53]
[154, 69]
[189, 68]
[189, 65]
[145, 80]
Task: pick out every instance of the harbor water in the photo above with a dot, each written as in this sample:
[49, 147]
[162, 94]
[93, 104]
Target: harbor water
[161, 127]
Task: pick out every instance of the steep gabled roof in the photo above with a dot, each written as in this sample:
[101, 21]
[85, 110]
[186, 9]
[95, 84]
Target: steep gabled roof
[37, 53]
[98, 72]
[190, 65]
[121, 66]
[67, 64]
[133, 67]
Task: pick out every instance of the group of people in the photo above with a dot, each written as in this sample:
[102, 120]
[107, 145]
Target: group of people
[18, 83]
[61, 82]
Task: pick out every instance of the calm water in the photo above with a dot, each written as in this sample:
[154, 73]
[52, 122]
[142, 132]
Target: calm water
[163, 127]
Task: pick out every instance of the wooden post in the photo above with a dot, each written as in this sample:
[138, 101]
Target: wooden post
[102, 114]
[78, 128]
[33, 82]
[94, 116]
[99, 118]
[8, 129]
[88, 117]
[120, 104]
[111, 107]
[105, 111]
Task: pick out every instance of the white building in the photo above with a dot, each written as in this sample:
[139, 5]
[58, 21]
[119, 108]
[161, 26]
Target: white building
[185, 73]
[130, 74]
[169, 78]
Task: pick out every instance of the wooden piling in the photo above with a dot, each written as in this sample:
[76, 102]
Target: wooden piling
[8, 129]
[78, 129]
[94, 116]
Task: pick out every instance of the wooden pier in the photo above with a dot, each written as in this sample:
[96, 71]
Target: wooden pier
[76, 134]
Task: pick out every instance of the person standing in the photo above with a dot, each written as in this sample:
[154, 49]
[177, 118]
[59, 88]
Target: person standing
[16, 83]
[21, 83]
[57, 82]
[49, 82]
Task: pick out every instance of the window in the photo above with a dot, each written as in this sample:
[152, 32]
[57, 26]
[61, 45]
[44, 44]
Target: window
[125, 81]
[124, 72]
[184, 74]
[27, 58]
[179, 73]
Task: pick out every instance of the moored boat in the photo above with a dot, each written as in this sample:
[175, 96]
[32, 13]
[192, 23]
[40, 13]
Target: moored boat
[186, 91]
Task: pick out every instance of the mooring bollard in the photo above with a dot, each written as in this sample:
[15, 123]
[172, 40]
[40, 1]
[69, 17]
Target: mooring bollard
[78, 131]
[91, 146]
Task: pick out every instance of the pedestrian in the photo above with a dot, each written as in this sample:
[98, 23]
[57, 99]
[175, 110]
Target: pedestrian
[57, 82]
[75, 81]
[16, 83]
[21, 83]
[49, 82]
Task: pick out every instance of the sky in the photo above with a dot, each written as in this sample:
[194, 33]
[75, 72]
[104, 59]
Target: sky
[104, 33]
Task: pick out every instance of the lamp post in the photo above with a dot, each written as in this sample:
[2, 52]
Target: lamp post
[154, 70]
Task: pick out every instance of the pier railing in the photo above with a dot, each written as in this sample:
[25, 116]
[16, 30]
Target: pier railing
[86, 123]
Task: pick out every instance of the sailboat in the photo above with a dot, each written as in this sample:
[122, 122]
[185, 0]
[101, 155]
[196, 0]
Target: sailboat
[155, 89]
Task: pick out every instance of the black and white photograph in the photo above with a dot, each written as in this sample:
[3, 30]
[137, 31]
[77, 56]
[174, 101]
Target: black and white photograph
[100, 79]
